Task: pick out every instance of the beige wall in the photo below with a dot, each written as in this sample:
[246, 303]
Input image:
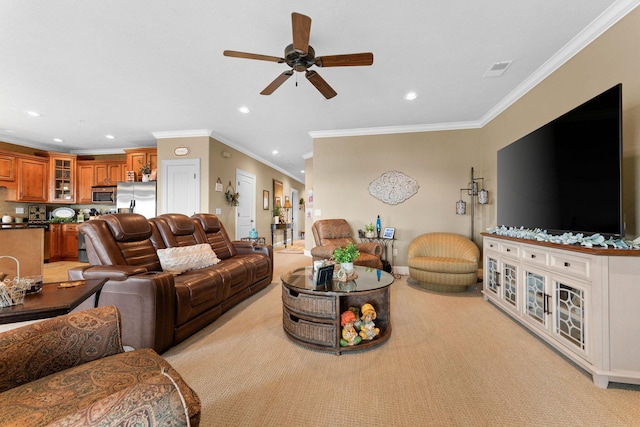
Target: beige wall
[609, 60]
[214, 165]
[440, 161]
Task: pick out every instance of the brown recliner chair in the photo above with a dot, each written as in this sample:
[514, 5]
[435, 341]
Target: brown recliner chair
[331, 233]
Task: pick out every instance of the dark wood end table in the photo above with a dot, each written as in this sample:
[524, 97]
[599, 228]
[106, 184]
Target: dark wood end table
[51, 301]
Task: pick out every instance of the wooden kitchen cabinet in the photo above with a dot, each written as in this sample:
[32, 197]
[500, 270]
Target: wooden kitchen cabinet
[63, 243]
[137, 157]
[62, 185]
[92, 173]
[32, 177]
[7, 167]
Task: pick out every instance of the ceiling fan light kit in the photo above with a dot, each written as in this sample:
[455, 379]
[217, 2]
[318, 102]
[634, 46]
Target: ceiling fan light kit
[300, 57]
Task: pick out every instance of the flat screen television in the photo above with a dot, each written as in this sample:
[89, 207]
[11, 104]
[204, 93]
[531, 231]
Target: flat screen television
[566, 176]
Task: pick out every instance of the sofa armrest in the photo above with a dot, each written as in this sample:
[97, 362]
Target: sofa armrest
[371, 248]
[112, 272]
[323, 252]
[53, 345]
[252, 248]
[147, 304]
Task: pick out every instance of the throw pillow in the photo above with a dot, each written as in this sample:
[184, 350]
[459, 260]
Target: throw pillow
[183, 258]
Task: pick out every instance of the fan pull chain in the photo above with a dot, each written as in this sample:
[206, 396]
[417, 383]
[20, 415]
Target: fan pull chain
[296, 79]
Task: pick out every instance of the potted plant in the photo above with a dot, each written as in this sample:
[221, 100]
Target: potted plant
[345, 256]
[369, 230]
[276, 214]
[145, 171]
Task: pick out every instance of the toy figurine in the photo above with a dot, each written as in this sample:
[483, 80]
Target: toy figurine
[368, 329]
[349, 334]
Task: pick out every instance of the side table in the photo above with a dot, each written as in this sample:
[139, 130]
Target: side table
[284, 228]
[383, 241]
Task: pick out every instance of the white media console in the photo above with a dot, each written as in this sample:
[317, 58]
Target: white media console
[584, 302]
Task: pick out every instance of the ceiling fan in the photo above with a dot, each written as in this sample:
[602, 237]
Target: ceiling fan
[300, 57]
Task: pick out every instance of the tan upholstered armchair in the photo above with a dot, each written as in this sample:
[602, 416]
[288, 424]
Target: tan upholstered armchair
[443, 262]
[331, 233]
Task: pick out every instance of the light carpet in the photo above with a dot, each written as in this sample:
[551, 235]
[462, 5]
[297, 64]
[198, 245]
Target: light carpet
[451, 360]
[297, 247]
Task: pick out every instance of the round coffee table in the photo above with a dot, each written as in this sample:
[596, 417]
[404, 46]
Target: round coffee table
[311, 313]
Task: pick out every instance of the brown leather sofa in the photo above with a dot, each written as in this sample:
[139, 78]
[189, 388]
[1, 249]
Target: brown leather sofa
[72, 370]
[160, 309]
[332, 233]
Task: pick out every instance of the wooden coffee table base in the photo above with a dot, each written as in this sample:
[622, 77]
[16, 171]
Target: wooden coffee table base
[312, 318]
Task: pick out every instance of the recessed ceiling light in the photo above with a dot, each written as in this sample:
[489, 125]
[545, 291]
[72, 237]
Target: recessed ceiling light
[244, 110]
[274, 152]
[411, 96]
[302, 171]
[58, 140]
[33, 113]
[110, 137]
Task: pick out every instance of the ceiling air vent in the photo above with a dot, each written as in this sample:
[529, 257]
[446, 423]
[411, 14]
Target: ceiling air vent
[497, 69]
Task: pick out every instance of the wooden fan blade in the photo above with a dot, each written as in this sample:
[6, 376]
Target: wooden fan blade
[320, 84]
[349, 60]
[276, 83]
[301, 25]
[246, 55]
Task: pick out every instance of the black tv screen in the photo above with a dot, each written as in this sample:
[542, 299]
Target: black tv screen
[566, 175]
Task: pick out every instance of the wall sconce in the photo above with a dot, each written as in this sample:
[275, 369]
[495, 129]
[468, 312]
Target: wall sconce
[482, 196]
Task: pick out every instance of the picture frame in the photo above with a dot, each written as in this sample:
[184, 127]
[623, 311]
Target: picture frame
[325, 275]
[265, 200]
[388, 233]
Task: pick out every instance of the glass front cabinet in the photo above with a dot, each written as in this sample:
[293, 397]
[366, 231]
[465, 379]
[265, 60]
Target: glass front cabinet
[576, 299]
[62, 178]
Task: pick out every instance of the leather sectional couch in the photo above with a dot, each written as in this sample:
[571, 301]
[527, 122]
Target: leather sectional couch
[162, 307]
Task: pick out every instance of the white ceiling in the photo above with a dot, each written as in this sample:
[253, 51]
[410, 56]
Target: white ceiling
[135, 68]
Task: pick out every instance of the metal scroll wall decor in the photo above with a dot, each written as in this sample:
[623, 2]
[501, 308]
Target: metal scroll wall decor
[393, 187]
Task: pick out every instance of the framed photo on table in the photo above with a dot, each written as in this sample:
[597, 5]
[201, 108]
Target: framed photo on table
[388, 232]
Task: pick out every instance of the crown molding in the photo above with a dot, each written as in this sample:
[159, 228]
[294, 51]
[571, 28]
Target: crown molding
[190, 133]
[595, 29]
[395, 129]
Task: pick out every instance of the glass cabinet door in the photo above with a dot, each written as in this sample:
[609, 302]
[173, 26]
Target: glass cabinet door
[492, 275]
[537, 300]
[569, 314]
[63, 179]
[510, 284]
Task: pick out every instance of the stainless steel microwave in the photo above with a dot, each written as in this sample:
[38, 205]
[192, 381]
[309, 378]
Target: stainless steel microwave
[105, 195]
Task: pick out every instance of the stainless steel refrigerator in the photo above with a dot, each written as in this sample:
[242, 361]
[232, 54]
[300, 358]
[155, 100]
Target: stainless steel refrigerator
[140, 197]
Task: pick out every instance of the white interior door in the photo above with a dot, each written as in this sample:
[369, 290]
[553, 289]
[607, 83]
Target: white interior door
[246, 209]
[295, 213]
[181, 186]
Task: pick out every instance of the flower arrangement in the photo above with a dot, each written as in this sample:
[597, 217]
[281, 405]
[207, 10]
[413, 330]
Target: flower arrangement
[145, 169]
[231, 196]
[347, 254]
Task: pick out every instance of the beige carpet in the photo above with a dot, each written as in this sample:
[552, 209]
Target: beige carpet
[296, 248]
[452, 359]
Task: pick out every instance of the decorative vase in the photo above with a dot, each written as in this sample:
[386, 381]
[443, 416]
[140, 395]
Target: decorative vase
[369, 234]
[253, 233]
[276, 220]
[146, 177]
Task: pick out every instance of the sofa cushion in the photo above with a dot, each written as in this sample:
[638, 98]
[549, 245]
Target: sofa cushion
[88, 389]
[183, 258]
